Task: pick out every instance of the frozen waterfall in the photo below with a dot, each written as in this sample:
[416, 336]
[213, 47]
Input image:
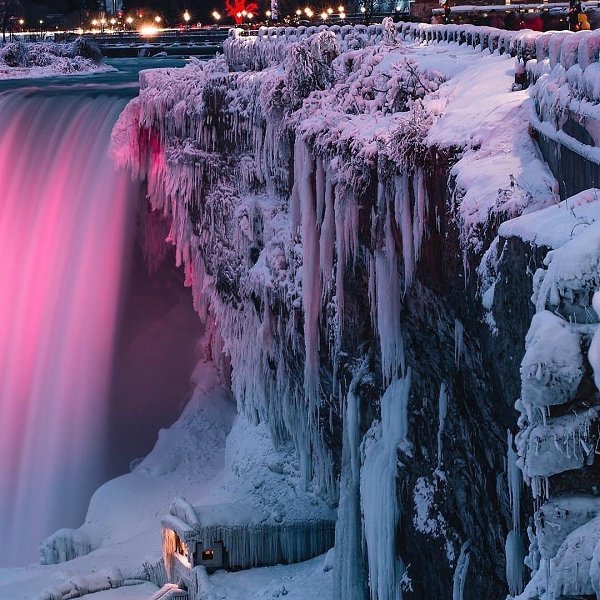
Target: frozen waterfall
[65, 218]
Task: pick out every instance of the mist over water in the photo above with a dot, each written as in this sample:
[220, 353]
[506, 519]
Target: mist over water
[66, 219]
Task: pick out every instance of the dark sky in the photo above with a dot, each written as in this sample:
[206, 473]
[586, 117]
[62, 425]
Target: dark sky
[170, 10]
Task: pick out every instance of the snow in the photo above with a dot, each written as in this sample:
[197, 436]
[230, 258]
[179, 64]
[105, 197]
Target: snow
[557, 365]
[556, 225]
[427, 518]
[19, 60]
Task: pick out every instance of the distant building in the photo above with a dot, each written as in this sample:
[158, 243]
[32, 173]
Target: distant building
[114, 7]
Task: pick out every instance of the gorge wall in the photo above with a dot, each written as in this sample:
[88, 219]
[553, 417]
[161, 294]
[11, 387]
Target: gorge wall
[334, 200]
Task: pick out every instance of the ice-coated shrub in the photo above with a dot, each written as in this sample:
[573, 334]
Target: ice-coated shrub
[15, 54]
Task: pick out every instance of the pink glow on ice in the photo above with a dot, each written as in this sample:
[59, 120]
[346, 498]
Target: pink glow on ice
[64, 220]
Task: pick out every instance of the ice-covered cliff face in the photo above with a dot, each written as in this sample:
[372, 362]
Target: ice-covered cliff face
[331, 201]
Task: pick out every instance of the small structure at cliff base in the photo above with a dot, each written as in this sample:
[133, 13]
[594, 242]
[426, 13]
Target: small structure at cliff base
[234, 537]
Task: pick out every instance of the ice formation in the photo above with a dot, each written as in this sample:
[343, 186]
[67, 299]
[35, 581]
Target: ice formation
[250, 540]
[19, 60]
[299, 160]
[559, 428]
[378, 491]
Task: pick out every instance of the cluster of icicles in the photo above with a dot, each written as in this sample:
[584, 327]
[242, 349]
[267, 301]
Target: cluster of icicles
[268, 264]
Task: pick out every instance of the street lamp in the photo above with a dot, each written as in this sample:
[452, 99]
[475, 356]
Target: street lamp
[157, 19]
[216, 15]
[129, 21]
[324, 16]
[186, 18]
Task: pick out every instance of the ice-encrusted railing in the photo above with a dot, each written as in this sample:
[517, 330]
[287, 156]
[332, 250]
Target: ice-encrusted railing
[270, 44]
[566, 93]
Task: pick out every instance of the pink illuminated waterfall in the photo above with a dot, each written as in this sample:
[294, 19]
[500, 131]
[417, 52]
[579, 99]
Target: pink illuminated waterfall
[65, 218]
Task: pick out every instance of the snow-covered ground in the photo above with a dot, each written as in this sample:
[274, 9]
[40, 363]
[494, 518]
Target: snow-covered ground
[19, 60]
[193, 458]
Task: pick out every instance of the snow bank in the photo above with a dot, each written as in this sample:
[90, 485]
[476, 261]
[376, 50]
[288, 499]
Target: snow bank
[556, 225]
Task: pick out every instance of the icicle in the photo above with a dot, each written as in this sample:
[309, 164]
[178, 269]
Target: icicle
[460, 573]
[311, 277]
[458, 342]
[442, 411]
[378, 491]
[420, 212]
[320, 190]
[387, 289]
[327, 238]
[514, 483]
[515, 556]
[350, 577]
[404, 221]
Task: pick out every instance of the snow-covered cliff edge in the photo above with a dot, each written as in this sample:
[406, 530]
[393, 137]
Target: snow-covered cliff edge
[335, 202]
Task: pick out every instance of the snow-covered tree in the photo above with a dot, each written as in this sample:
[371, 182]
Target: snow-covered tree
[8, 12]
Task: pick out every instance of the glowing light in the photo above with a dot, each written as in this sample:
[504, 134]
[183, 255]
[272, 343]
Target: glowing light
[342, 15]
[129, 20]
[157, 19]
[341, 9]
[308, 12]
[330, 11]
[324, 16]
[21, 22]
[148, 30]
[216, 15]
[249, 15]
[94, 22]
[268, 13]
[113, 22]
[298, 12]
[363, 9]
[186, 16]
